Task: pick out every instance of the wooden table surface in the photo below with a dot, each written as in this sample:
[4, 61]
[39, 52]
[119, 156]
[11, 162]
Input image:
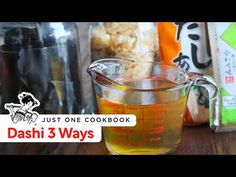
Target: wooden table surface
[195, 140]
[198, 140]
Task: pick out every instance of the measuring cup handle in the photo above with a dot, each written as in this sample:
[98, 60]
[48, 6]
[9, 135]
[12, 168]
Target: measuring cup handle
[208, 83]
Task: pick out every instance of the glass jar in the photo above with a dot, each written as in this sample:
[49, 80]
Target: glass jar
[44, 60]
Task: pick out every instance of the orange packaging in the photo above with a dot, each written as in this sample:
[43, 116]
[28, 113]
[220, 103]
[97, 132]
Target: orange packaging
[185, 44]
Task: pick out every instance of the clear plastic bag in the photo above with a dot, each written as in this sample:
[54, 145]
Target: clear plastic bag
[125, 40]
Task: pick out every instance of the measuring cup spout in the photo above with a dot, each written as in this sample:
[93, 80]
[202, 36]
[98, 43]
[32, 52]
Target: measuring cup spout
[109, 72]
[96, 72]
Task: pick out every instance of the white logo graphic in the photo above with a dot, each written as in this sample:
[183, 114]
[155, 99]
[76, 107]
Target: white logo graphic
[23, 111]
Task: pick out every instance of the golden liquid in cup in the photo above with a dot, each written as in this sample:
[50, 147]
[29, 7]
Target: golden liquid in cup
[158, 129]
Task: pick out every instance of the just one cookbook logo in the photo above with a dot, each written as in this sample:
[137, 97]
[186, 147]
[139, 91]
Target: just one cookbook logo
[24, 124]
[23, 110]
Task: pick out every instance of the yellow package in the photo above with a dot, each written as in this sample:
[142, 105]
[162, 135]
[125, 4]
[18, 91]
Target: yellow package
[185, 44]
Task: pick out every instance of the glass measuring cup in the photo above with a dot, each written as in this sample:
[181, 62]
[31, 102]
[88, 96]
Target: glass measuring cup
[156, 93]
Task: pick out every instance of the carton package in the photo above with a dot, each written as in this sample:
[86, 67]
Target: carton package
[223, 50]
